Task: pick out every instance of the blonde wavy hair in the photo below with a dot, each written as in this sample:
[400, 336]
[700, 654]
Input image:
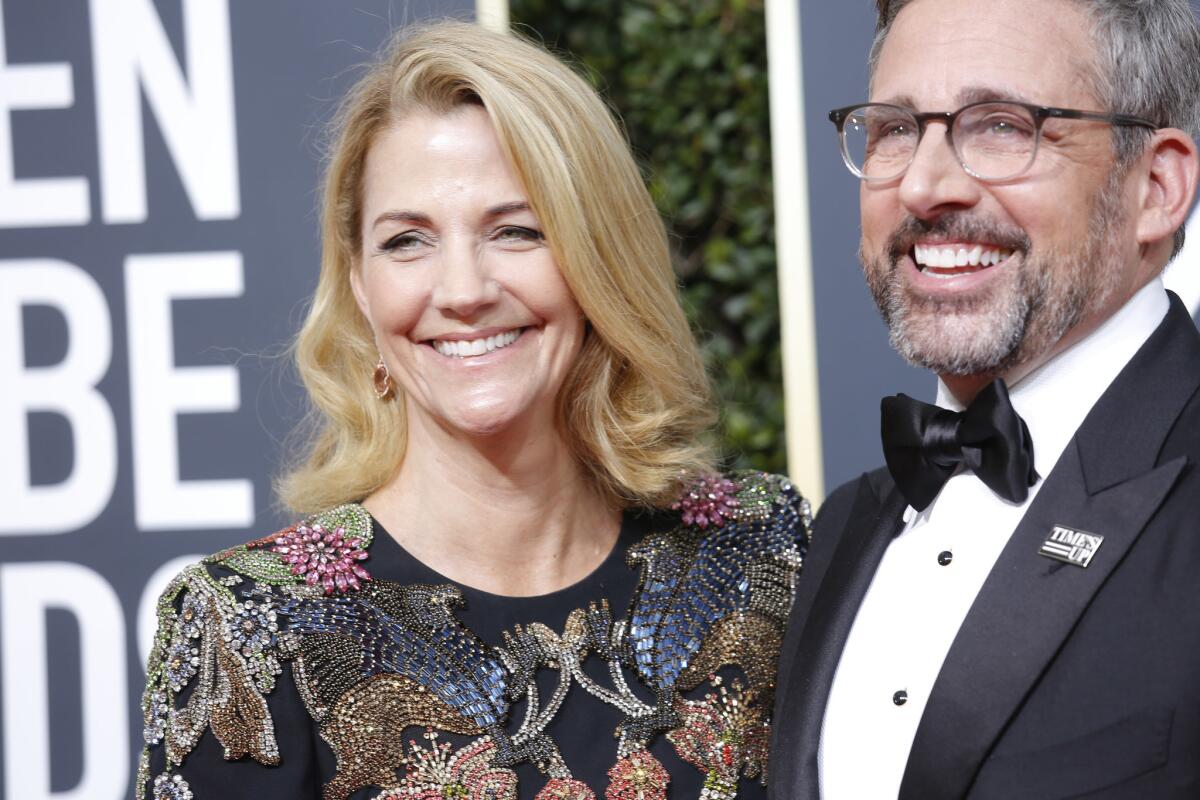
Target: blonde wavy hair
[636, 406]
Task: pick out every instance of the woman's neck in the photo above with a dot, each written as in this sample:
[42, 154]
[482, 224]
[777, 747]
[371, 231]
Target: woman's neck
[511, 514]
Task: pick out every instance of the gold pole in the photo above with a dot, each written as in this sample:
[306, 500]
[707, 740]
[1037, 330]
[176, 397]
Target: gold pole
[492, 14]
[793, 246]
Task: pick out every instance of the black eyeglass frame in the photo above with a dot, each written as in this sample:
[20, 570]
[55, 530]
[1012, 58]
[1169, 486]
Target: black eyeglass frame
[1040, 114]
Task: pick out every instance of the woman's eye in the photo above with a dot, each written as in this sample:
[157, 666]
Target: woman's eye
[403, 242]
[518, 233]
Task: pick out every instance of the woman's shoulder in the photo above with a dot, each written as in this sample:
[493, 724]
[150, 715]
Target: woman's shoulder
[324, 551]
[220, 645]
[720, 503]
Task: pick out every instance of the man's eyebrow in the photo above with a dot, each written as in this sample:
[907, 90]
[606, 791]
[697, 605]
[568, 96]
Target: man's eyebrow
[965, 96]
[902, 100]
[983, 94]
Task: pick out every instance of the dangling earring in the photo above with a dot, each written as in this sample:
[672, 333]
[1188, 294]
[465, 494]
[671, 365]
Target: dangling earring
[383, 380]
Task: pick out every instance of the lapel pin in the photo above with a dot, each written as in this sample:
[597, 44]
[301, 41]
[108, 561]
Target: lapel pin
[1071, 546]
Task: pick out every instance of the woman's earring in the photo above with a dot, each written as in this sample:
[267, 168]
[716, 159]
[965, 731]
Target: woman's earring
[383, 380]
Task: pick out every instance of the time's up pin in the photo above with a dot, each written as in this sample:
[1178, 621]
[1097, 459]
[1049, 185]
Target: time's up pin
[1071, 546]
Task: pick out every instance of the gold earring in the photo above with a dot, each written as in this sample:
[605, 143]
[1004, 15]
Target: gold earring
[383, 380]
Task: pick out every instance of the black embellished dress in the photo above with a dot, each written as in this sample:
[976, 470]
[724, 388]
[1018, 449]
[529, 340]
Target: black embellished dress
[324, 661]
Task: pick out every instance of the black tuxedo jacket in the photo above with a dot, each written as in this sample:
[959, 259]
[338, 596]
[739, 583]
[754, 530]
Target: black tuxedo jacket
[1063, 681]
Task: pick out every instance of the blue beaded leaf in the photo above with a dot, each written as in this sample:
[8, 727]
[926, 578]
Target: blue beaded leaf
[692, 578]
[412, 631]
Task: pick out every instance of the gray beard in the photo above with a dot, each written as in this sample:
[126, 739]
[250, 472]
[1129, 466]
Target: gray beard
[1018, 317]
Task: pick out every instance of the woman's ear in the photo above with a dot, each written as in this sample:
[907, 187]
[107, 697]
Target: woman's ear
[360, 291]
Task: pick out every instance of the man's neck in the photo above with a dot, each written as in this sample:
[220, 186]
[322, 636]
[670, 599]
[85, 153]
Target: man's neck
[965, 387]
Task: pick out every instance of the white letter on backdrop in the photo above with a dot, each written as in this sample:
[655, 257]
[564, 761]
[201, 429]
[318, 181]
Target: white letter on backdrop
[158, 391]
[35, 201]
[67, 388]
[27, 591]
[132, 54]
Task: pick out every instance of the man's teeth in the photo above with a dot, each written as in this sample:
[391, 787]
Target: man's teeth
[461, 348]
[960, 256]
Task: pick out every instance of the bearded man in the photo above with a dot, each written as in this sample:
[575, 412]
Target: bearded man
[1012, 607]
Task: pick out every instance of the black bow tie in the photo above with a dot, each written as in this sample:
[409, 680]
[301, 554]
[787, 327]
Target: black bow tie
[924, 445]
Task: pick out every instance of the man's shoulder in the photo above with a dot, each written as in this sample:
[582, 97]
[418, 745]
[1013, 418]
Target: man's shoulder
[838, 505]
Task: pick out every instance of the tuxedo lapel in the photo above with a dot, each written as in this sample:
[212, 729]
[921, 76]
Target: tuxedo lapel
[1020, 618]
[1106, 483]
[873, 522]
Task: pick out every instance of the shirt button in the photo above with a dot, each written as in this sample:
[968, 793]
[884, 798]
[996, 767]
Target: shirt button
[945, 557]
[900, 697]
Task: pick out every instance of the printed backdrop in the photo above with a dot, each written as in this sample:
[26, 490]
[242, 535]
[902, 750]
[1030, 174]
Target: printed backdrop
[158, 164]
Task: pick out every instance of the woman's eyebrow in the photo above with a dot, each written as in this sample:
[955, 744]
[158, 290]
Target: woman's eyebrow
[414, 217]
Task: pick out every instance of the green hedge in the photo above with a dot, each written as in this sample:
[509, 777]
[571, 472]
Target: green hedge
[689, 80]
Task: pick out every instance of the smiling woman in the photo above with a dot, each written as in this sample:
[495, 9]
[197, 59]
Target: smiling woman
[516, 547]
[471, 314]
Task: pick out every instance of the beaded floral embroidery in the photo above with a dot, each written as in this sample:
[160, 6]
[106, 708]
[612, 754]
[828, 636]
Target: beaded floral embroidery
[709, 501]
[374, 658]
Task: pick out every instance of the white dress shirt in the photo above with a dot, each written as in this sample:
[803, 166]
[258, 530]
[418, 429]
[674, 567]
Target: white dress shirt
[931, 573]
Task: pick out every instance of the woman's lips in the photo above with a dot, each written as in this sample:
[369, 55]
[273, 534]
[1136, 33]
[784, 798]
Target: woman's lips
[467, 348]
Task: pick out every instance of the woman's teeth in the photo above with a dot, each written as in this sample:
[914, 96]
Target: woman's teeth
[461, 348]
[934, 257]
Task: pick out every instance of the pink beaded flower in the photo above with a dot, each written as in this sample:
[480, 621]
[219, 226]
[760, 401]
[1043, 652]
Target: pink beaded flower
[324, 556]
[710, 500]
[724, 735]
[637, 776]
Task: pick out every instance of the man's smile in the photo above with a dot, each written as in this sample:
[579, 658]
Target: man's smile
[946, 260]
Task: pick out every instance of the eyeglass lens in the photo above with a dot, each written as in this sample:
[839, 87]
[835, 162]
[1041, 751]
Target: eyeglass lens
[993, 140]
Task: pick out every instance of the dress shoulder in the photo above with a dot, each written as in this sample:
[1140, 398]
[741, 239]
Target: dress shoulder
[219, 648]
[747, 497]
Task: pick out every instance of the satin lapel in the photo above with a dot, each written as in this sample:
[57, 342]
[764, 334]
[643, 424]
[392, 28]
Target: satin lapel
[872, 524]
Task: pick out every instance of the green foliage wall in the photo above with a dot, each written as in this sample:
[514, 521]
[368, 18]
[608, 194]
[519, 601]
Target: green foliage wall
[689, 81]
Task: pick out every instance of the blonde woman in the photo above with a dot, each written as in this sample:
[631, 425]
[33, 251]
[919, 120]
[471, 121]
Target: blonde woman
[517, 574]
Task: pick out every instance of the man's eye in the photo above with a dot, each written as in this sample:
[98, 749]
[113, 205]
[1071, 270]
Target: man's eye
[1005, 126]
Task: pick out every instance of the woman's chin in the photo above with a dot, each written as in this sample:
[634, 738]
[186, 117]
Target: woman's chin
[486, 422]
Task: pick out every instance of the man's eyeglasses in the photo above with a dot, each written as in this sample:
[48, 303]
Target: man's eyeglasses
[993, 140]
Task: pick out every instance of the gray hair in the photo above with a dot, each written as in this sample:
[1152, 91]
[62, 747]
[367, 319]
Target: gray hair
[1147, 64]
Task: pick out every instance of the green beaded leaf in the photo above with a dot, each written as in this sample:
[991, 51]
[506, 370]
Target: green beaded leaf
[757, 493]
[351, 517]
[263, 566]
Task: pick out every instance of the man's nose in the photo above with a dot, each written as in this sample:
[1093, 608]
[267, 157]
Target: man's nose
[465, 284]
[935, 181]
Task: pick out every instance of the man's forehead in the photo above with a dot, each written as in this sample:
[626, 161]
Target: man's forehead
[958, 51]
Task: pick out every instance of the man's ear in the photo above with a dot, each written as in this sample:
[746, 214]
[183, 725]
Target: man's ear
[1168, 187]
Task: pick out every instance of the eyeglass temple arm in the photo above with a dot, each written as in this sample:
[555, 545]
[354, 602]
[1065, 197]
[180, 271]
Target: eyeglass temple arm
[1112, 119]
